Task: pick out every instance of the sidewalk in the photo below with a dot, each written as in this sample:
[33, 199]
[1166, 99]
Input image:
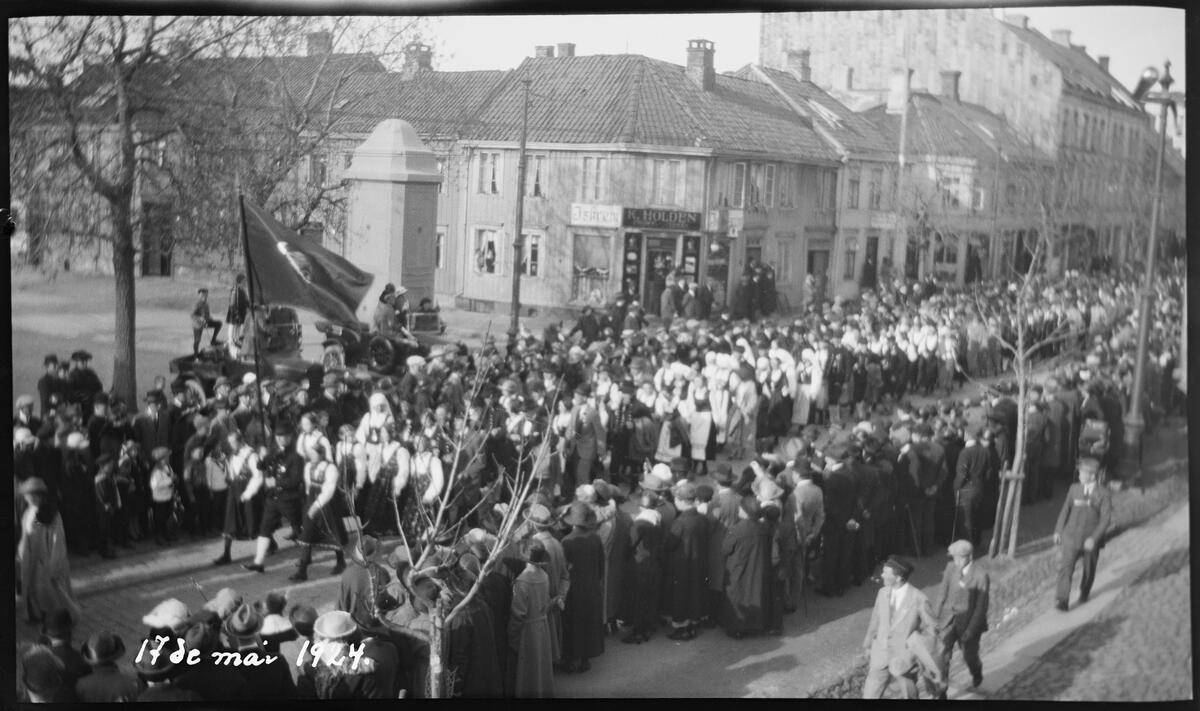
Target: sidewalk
[1039, 644]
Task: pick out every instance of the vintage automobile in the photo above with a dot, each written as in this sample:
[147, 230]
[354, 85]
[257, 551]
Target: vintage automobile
[275, 332]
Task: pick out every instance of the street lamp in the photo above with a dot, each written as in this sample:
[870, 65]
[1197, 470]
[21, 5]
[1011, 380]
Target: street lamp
[1135, 425]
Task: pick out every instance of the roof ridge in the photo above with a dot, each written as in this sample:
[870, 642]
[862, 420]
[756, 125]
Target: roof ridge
[629, 130]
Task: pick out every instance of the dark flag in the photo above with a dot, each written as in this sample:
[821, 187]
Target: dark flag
[288, 268]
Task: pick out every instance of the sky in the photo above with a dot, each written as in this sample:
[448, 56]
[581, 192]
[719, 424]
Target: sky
[1133, 37]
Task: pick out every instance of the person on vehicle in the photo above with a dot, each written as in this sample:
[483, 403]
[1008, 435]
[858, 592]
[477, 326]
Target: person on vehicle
[202, 319]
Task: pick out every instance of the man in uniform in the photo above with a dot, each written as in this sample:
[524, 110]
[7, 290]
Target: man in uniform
[1082, 523]
[962, 609]
[239, 307]
[281, 475]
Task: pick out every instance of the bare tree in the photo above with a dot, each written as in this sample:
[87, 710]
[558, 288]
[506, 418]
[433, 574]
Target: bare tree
[91, 70]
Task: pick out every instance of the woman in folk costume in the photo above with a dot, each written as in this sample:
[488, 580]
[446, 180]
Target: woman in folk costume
[819, 388]
[369, 433]
[948, 361]
[743, 414]
[747, 549]
[419, 488]
[718, 398]
[529, 633]
[672, 437]
[802, 402]
[541, 521]
[380, 482]
[242, 515]
[702, 433]
[324, 515]
[343, 457]
[45, 577]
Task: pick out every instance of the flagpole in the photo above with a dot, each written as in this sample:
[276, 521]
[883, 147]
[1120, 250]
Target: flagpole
[251, 277]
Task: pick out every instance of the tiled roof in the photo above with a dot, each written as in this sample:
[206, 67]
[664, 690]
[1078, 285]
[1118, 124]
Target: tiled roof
[1079, 71]
[850, 129]
[435, 103]
[633, 99]
[952, 129]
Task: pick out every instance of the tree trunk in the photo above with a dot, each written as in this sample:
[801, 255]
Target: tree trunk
[436, 670]
[124, 380]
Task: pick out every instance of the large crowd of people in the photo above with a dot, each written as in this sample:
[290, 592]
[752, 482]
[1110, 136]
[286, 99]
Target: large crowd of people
[689, 474]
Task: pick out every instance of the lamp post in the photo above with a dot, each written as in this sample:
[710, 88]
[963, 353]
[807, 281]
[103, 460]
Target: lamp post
[1134, 422]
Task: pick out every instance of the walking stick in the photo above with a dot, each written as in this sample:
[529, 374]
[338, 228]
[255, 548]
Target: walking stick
[199, 589]
[954, 524]
[913, 530]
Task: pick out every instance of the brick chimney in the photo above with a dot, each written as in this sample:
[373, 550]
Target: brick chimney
[700, 64]
[319, 43]
[950, 84]
[899, 89]
[417, 58]
[566, 49]
[1103, 62]
[543, 51]
[798, 63]
[1016, 20]
[849, 78]
[1062, 37]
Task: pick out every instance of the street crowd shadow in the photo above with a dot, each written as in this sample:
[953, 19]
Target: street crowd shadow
[1058, 668]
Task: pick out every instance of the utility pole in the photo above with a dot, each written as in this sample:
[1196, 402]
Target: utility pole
[1135, 424]
[519, 238]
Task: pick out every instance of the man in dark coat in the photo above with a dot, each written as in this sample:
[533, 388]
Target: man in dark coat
[747, 550]
[741, 301]
[867, 490]
[841, 506]
[471, 655]
[588, 326]
[961, 610]
[1036, 436]
[56, 634]
[50, 384]
[583, 613]
[686, 552]
[83, 385]
[242, 633]
[362, 582]
[970, 481]
[152, 427]
[723, 515]
[1079, 533]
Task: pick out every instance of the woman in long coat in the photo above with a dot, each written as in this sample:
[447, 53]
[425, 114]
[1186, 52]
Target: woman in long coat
[42, 556]
[747, 561]
[614, 534]
[529, 629]
[583, 615]
[642, 586]
[686, 553]
[542, 521]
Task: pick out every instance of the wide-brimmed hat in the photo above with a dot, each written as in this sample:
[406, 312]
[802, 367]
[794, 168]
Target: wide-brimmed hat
[102, 647]
[42, 670]
[244, 624]
[335, 624]
[81, 355]
[580, 514]
[33, 485]
[156, 667]
[303, 617]
[171, 614]
[539, 516]
[224, 603]
[723, 474]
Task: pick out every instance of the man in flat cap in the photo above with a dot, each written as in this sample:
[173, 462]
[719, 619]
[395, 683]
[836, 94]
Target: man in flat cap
[961, 609]
[1082, 524]
[901, 610]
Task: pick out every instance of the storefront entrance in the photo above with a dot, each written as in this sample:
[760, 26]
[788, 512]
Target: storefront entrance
[665, 254]
[818, 269]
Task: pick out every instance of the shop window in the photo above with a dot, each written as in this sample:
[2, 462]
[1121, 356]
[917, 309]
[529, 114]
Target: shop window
[595, 174]
[590, 267]
[487, 251]
[852, 190]
[489, 174]
[945, 251]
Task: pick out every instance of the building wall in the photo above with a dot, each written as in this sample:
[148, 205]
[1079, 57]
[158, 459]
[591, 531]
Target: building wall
[998, 70]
